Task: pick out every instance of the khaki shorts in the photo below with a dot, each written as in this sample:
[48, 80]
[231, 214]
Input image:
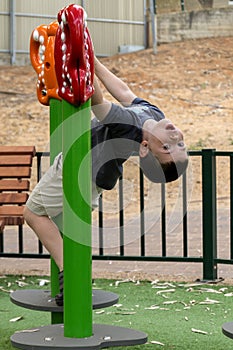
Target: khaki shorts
[47, 196]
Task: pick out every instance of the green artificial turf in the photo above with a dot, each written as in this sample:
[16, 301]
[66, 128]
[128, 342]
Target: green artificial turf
[174, 315]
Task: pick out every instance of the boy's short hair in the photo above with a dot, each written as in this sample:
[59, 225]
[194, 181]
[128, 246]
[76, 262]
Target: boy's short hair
[162, 173]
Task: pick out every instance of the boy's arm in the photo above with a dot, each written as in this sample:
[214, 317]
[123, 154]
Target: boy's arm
[115, 86]
[100, 106]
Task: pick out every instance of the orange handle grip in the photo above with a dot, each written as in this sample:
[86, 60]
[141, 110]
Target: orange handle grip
[42, 58]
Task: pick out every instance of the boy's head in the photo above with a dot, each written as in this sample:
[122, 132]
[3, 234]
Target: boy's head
[163, 154]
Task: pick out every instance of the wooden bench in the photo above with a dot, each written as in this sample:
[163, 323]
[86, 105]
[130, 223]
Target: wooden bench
[15, 174]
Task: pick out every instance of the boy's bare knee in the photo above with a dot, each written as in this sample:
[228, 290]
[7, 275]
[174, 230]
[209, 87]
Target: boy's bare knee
[28, 215]
[25, 212]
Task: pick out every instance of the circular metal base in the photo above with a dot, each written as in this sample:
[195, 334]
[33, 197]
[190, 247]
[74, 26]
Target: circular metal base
[227, 329]
[52, 337]
[41, 300]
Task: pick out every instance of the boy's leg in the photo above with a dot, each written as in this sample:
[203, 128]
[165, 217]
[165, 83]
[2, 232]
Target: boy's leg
[48, 234]
[45, 201]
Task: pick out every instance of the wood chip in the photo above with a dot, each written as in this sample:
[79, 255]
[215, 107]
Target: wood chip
[157, 342]
[165, 291]
[43, 282]
[16, 319]
[125, 313]
[122, 281]
[100, 312]
[152, 307]
[170, 302]
[21, 283]
[117, 305]
[5, 290]
[28, 330]
[199, 331]
[209, 301]
[209, 290]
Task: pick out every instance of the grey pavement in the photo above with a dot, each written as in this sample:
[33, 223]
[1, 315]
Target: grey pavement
[132, 269]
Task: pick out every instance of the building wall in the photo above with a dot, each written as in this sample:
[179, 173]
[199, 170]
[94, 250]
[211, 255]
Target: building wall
[195, 24]
[167, 6]
[220, 3]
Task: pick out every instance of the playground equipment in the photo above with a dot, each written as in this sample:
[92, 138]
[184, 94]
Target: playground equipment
[67, 89]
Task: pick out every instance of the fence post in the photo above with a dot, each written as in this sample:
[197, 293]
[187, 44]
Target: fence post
[231, 203]
[12, 32]
[209, 222]
[182, 5]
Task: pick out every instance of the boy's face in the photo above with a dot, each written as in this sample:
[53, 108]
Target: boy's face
[167, 143]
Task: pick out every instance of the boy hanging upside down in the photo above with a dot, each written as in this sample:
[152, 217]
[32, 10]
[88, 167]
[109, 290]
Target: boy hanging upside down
[117, 132]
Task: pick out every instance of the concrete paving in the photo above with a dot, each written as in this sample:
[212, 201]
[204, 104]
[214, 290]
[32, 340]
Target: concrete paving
[132, 269]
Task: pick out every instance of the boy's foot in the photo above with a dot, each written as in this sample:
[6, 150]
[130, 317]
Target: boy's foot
[59, 296]
[59, 299]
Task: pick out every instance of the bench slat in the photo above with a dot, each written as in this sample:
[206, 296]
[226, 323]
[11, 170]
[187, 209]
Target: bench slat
[15, 169]
[13, 198]
[14, 185]
[15, 172]
[11, 210]
[7, 150]
[15, 160]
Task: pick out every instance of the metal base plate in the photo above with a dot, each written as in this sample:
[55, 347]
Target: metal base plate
[227, 329]
[52, 337]
[41, 300]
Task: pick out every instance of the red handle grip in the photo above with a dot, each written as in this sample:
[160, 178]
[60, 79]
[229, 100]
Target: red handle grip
[74, 56]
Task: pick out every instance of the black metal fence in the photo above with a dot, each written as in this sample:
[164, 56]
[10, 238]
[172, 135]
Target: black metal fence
[200, 226]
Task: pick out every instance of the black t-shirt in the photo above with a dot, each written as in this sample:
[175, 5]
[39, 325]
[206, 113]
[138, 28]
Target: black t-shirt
[116, 138]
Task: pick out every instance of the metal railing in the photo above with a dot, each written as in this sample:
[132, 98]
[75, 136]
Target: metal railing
[117, 238]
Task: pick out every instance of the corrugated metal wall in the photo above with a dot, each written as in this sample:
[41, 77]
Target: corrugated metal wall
[4, 25]
[112, 23]
[125, 25]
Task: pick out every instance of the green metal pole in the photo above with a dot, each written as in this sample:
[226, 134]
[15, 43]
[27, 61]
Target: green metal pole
[209, 214]
[55, 148]
[77, 220]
